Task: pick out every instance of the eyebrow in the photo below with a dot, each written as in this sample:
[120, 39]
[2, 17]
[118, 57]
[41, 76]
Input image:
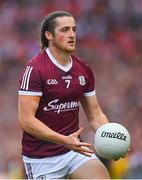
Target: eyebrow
[68, 27]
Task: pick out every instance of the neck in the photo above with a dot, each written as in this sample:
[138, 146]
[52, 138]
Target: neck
[61, 56]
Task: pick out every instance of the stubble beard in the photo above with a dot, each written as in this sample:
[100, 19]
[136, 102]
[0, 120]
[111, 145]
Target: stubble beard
[64, 49]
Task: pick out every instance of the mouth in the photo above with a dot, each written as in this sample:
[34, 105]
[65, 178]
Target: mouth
[71, 42]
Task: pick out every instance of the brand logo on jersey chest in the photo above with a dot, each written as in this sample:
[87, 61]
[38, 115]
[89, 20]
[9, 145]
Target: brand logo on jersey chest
[52, 81]
[67, 77]
[81, 80]
[60, 107]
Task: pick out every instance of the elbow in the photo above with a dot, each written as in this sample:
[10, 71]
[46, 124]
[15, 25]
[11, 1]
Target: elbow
[24, 124]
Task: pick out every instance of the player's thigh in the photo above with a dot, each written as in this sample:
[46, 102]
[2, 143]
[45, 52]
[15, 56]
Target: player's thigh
[92, 169]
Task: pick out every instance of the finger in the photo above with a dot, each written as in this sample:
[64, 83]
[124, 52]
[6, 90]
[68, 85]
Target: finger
[77, 133]
[86, 154]
[126, 153]
[84, 149]
[84, 144]
[129, 150]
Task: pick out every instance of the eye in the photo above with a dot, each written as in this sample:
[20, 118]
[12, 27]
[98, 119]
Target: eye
[74, 29]
[65, 29]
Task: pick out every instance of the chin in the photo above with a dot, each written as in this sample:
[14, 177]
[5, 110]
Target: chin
[70, 50]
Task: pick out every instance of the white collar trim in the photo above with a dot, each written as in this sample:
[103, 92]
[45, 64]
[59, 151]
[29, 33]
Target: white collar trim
[54, 61]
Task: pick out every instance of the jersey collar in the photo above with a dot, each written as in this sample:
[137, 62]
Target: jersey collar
[55, 62]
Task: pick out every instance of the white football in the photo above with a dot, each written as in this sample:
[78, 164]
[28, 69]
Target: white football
[112, 141]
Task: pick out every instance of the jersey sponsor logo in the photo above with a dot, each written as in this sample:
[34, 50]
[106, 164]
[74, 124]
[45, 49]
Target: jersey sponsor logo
[67, 77]
[52, 81]
[59, 107]
[26, 78]
[81, 80]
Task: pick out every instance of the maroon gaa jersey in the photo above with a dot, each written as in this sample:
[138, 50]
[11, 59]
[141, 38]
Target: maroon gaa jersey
[60, 89]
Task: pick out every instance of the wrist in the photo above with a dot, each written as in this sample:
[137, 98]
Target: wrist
[64, 139]
[59, 139]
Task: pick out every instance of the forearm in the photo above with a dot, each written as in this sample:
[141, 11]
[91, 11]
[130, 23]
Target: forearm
[33, 126]
[93, 112]
[98, 121]
[39, 130]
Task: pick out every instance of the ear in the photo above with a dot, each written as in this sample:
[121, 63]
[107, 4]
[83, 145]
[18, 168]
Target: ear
[48, 35]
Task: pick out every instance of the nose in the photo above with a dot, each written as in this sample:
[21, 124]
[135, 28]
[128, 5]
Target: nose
[72, 33]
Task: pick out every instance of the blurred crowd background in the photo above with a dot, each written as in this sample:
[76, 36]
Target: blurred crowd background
[109, 38]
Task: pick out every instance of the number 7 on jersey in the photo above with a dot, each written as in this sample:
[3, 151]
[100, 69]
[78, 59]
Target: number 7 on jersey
[67, 81]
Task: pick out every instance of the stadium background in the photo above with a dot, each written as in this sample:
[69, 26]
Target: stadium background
[109, 38]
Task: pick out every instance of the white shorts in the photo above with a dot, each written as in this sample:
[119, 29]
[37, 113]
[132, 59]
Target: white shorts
[55, 167]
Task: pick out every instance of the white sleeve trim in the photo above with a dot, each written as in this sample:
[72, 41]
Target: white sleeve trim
[30, 93]
[92, 93]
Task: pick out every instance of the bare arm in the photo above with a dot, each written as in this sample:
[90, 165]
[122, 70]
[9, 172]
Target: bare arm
[93, 112]
[27, 107]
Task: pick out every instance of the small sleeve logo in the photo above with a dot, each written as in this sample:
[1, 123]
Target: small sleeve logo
[82, 80]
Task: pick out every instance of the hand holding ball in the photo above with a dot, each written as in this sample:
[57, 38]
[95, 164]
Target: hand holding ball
[112, 141]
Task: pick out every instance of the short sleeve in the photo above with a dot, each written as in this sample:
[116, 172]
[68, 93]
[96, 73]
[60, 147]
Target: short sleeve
[30, 81]
[90, 88]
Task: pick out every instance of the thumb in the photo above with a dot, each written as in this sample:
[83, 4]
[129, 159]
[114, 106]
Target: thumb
[77, 133]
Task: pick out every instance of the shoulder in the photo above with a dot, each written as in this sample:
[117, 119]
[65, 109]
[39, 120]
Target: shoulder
[81, 62]
[37, 60]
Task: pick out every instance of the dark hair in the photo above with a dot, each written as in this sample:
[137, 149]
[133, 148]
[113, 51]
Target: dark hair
[49, 24]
